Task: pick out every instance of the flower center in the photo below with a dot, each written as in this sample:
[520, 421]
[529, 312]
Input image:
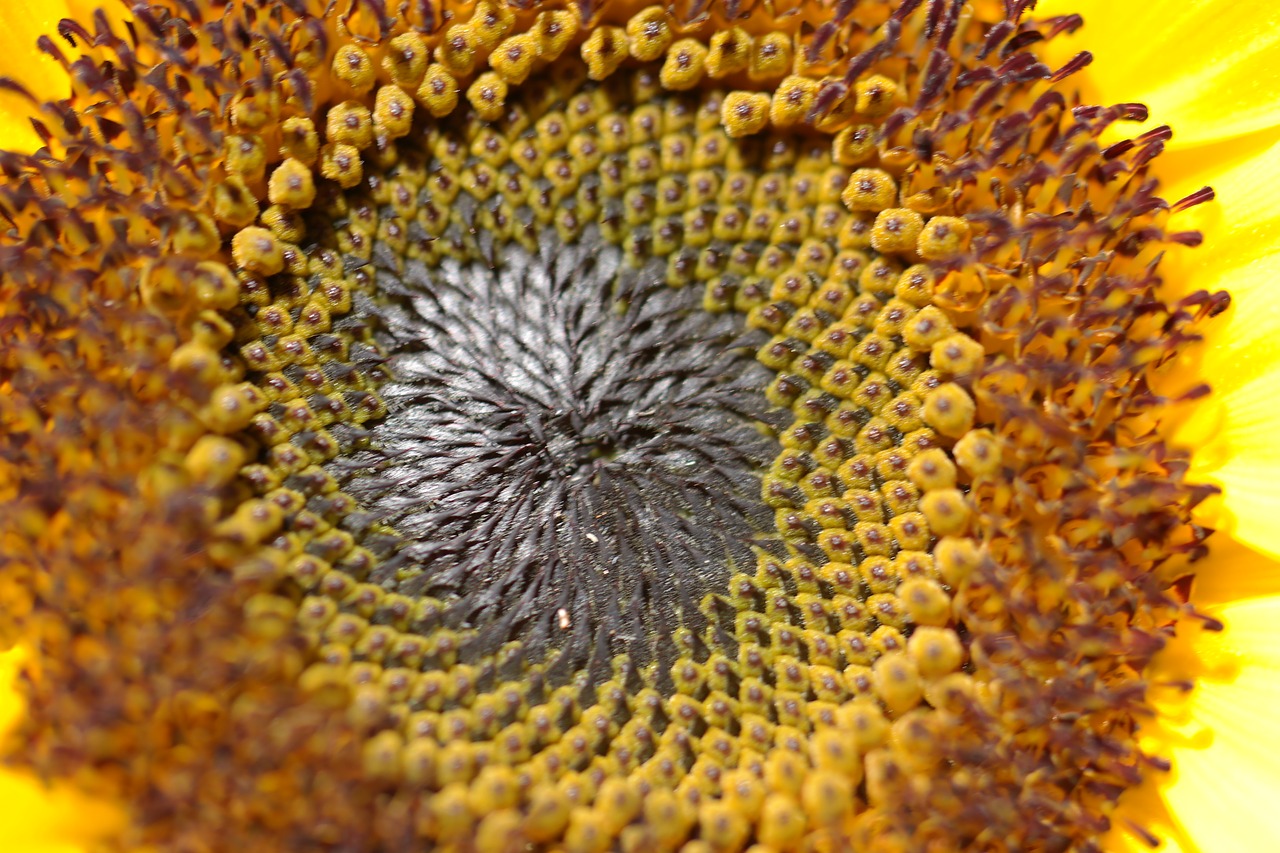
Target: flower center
[562, 425]
[631, 427]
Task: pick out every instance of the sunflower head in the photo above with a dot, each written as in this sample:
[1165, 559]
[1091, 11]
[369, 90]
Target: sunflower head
[599, 426]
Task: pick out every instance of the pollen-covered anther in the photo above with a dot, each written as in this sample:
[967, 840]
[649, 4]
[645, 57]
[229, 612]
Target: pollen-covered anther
[896, 230]
[286, 222]
[928, 327]
[685, 65]
[782, 823]
[353, 66]
[341, 164]
[957, 355]
[492, 20]
[292, 184]
[458, 50]
[871, 190]
[392, 112]
[730, 52]
[214, 460]
[257, 251]
[514, 58]
[897, 682]
[950, 410]
[932, 469]
[195, 235]
[233, 202]
[406, 60]
[915, 285]
[244, 156]
[947, 511]
[771, 57]
[956, 558]
[875, 96]
[745, 113]
[649, 34]
[937, 651]
[438, 91]
[350, 123]
[854, 145]
[554, 30]
[925, 603]
[299, 140]
[215, 286]
[604, 51]
[792, 101]
[978, 453]
[943, 238]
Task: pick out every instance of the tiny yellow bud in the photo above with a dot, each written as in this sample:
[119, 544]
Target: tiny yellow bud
[793, 100]
[392, 112]
[937, 651]
[342, 165]
[943, 237]
[771, 57]
[730, 52]
[352, 66]
[978, 452]
[957, 355]
[949, 410]
[513, 59]
[896, 230]
[932, 469]
[871, 190]
[745, 113]
[947, 511]
[439, 91]
[854, 145]
[292, 184]
[927, 328]
[875, 95]
[406, 60]
[256, 250]
[649, 33]
[604, 51]
[488, 95]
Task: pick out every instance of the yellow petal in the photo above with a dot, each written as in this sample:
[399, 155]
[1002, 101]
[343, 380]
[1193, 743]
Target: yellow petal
[1144, 807]
[1209, 69]
[1236, 430]
[37, 818]
[1235, 584]
[1227, 759]
[20, 60]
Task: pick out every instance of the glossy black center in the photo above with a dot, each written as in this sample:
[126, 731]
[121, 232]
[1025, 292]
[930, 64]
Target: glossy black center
[572, 449]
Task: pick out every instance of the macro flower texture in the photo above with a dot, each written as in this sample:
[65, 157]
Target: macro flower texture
[579, 425]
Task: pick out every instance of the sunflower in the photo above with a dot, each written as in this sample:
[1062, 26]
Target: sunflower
[608, 426]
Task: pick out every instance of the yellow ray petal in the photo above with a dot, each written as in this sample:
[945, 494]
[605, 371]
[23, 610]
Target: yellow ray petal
[34, 817]
[24, 22]
[1235, 431]
[1209, 69]
[1227, 757]
[1234, 572]
[1145, 807]
[1232, 576]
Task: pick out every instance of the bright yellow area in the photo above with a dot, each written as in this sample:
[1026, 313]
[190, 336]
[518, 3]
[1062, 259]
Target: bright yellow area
[24, 21]
[1209, 69]
[21, 61]
[38, 818]
[1212, 71]
[1236, 432]
[1223, 737]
